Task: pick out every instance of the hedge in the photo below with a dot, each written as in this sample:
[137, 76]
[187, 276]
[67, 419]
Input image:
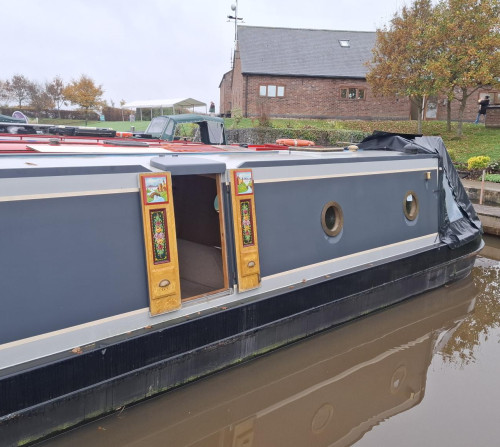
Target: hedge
[262, 135]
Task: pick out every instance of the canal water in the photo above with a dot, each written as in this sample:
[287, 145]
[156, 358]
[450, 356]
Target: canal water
[422, 373]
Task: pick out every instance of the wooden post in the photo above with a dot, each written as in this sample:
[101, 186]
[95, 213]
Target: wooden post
[482, 188]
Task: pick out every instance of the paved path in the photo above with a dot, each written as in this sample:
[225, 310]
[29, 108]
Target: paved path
[491, 186]
[489, 213]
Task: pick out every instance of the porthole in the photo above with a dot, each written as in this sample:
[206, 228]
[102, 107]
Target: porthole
[398, 378]
[332, 219]
[410, 205]
[322, 418]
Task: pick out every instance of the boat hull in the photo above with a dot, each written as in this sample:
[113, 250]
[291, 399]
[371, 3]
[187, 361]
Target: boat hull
[75, 387]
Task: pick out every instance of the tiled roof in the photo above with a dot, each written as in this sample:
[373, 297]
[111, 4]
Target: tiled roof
[304, 52]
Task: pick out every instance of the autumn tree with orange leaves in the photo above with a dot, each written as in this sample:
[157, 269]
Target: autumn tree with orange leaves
[468, 50]
[451, 48]
[84, 93]
[400, 64]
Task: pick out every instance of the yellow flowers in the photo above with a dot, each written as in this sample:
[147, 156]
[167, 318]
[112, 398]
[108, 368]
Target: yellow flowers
[479, 162]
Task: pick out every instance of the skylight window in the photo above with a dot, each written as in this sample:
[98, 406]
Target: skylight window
[345, 43]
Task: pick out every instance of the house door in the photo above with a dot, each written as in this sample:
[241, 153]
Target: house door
[431, 106]
[413, 111]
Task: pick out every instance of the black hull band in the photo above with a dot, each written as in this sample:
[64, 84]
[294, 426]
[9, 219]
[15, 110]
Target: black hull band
[54, 396]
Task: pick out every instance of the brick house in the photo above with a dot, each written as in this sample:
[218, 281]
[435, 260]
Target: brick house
[284, 72]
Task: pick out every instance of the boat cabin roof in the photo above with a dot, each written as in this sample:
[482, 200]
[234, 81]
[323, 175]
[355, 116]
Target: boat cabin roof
[163, 157]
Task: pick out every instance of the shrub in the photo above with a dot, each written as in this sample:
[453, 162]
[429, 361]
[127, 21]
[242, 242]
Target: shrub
[480, 162]
[263, 118]
[237, 116]
[494, 166]
[492, 178]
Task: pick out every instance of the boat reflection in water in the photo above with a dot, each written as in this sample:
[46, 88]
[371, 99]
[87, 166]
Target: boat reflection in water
[328, 390]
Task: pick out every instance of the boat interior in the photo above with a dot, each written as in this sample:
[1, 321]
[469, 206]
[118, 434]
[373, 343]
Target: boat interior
[200, 241]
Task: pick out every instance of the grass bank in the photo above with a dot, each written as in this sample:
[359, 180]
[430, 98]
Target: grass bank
[476, 140]
[120, 126]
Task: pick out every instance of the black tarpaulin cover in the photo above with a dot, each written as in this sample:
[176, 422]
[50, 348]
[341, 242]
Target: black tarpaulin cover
[458, 221]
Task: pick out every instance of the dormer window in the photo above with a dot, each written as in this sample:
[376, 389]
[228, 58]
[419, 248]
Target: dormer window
[345, 43]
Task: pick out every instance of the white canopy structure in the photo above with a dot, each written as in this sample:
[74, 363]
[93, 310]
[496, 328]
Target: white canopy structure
[184, 103]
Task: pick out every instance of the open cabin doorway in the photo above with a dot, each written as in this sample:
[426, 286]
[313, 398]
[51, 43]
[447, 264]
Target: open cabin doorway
[200, 235]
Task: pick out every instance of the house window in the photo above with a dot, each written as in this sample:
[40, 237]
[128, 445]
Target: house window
[352, 93]
[345, 43]
[494, 97]
[272, 91]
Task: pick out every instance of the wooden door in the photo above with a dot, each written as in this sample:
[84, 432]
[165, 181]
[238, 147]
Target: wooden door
[245, 229]
[160, 242]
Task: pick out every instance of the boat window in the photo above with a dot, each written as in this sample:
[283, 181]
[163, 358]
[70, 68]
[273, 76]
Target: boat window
[183, 130]
[156, 126]
[170, 127]
[410, 205]
[332, 219]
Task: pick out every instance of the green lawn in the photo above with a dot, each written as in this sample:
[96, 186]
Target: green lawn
[120, 126]
[476, 140]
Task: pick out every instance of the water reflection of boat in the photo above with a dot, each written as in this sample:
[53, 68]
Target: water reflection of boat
[329, 390]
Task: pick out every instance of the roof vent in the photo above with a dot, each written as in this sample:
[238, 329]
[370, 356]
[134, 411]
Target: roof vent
[345, 43]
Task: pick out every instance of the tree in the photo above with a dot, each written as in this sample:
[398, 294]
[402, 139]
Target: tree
[19, 88]
[55, 90]
[468, 58]
[401, 56]
[40, 99]
[122, 103]
[5, 94]
[84, 93]
[452, 49]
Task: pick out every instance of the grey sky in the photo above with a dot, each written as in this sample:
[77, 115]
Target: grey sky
[156, 48]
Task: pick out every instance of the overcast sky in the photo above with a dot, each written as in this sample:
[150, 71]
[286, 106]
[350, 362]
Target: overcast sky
[156, 49]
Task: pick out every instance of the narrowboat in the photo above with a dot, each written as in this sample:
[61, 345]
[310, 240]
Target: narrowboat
[128, 270]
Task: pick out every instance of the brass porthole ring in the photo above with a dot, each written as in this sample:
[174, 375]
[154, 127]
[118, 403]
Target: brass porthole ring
[332, 219]
[410, 205]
